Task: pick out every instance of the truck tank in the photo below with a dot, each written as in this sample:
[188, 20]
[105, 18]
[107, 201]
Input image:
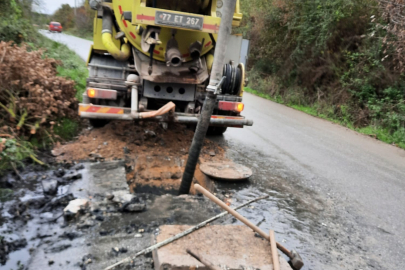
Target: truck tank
[151, 60]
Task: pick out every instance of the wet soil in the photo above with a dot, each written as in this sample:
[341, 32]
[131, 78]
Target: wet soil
[118, 139]
[326, 232]
[155, 157]
[101, 234]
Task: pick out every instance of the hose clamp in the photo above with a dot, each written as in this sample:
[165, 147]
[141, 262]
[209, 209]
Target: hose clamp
[106, 31]
[217, 89]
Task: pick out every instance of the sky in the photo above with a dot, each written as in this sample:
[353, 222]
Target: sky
[50, 6]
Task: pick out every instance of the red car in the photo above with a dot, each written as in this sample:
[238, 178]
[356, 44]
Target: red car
[55, 27]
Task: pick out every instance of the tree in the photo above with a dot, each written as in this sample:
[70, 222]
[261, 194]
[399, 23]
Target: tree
[65, 15]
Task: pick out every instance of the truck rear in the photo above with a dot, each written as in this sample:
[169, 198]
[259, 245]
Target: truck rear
[151, 60]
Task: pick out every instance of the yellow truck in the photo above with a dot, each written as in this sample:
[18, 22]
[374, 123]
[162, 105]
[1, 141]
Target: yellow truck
[151, 60]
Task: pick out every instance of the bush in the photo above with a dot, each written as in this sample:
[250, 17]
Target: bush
[341, 57]
[32, 97]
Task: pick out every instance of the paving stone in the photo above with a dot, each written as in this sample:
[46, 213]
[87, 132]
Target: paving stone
[223, 245]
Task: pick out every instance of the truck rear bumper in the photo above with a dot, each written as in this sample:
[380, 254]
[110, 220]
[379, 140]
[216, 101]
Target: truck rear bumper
[118, 113]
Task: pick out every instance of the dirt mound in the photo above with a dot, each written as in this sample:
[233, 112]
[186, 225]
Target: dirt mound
[121, 138]
[32, 96]
[154, 157]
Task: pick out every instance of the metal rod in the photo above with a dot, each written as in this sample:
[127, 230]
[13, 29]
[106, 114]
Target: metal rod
[211, 98]
[180, 235]
[241, 218]
[111, 67]
[204, 261]
[274, 253]
[177, 119]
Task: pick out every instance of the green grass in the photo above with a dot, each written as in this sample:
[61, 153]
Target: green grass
[80, 34]
[372, 131]
[5, 195]
[66, 128]
[73, 67]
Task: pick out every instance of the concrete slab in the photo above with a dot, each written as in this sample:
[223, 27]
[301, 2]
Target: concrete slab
[227, 246]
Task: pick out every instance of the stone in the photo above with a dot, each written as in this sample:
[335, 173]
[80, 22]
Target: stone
[110, 197]
[135, 207]
[177, 175]
[86, 224]
[72, 176]
[99, 218]
[150, 133]
[50, 187]
[74, 207]
[122, 196]
[59, 172]
[223, 245]
[69, 235]
[79, 167]
[59, 248]
[57, 152]
[138, 235]
[212, 153]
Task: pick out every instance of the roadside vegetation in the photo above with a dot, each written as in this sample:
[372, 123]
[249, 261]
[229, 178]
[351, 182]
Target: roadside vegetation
[40, 84]
[342, 60]
[77, 22]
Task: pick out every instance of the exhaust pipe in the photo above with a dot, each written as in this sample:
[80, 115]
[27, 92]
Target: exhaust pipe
[173, 56]
[195, 49]
[106, 37]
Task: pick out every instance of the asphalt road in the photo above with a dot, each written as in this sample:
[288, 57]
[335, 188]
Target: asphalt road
[79, 45]
[346, 190]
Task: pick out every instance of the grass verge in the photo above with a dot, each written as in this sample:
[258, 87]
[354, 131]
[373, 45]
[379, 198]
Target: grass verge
[80, 34]
[372, 130]
[72, 67]
[14, 150]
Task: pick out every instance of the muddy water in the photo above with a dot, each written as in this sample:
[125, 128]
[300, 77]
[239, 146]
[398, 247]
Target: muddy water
[326, 235]
[302, 219]
[100, 231]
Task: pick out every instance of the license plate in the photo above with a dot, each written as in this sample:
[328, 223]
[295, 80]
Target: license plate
[175, 19]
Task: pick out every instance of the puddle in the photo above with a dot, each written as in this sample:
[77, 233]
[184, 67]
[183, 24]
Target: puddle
[294, 218]
[61, 245]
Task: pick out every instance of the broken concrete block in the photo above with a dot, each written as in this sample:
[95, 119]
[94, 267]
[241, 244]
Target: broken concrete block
[73, 208]
[50, 187]
[122, 196]
[233, 247]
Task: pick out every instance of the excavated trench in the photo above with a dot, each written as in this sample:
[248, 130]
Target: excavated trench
[142, 164]
[129, 175]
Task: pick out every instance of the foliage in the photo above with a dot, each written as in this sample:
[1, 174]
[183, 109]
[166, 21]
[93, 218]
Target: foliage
[13, 152]
[65, 16]
[37, 105]
[5, 194]
[70, 66]
[342, 57]
[78, 22]
[12, 24]
[32, 97]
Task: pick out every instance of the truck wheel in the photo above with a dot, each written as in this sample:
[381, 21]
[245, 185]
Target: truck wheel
[216, 131]
[97, 123]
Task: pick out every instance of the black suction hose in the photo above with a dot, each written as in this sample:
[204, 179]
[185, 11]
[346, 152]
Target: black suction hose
[211, 98]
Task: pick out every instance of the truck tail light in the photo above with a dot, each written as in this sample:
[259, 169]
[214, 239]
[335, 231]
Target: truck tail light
[101, 93]
[231, 106]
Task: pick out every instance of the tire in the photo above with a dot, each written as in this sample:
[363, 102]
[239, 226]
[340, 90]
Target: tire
[216, 131]
[98, 123]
